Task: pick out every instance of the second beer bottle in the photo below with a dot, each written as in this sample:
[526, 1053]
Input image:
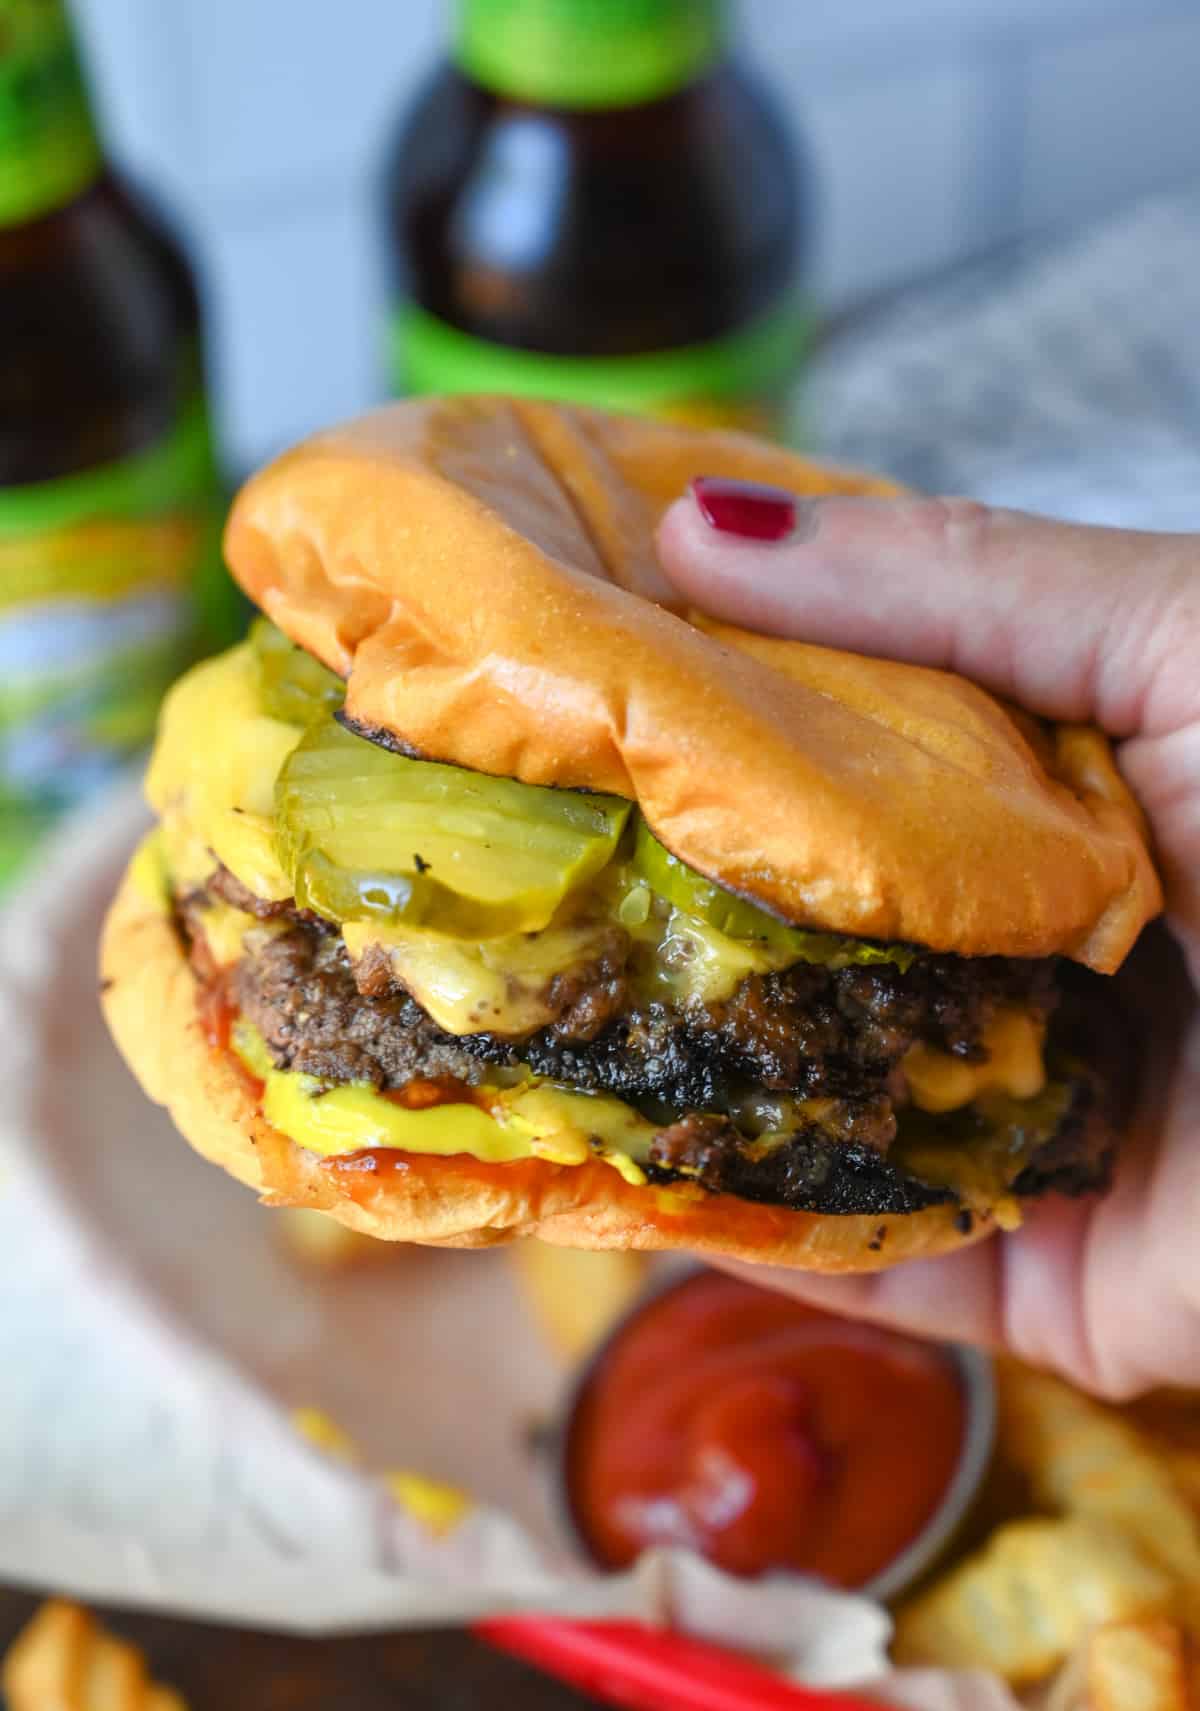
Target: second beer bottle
[593, 202]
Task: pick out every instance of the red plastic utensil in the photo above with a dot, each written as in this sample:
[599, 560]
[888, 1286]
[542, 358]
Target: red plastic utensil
[654, 1669]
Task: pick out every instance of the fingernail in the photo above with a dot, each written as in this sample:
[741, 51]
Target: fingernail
[749, 509]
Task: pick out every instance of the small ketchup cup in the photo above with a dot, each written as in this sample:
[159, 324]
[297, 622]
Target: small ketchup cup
[751, 1415]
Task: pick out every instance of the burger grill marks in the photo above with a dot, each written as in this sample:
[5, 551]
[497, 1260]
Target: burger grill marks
[713, 1075]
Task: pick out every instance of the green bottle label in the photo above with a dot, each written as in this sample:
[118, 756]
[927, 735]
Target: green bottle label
[741, 380]
[587, 53]
[48, 147]
[106, 580]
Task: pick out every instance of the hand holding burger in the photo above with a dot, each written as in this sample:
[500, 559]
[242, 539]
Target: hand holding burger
[1075, 624]
[500, 889]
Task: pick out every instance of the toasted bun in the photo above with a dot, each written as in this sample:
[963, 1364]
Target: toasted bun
[149, 998]
[483, 573]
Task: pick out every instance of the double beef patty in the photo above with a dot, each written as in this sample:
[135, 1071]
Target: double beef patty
[808, 1032]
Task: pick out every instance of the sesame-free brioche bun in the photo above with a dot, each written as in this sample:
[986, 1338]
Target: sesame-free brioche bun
[148, 992]
[482, 572]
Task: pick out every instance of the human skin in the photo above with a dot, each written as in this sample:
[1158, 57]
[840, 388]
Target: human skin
[1074, 623]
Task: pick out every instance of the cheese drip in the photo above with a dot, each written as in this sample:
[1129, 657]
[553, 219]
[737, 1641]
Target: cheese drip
[1013, 1040]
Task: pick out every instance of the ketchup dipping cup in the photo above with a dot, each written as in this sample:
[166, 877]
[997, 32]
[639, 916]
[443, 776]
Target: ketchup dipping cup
[769, 1436]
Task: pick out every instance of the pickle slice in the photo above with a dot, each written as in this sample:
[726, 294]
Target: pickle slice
[370, 835]
[689, 891]
[293, 686]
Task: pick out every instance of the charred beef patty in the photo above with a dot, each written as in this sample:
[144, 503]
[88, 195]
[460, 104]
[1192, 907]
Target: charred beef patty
[813, 1173]
[810, 1032]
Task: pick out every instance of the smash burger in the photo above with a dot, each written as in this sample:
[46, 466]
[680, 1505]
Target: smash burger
[494, 894]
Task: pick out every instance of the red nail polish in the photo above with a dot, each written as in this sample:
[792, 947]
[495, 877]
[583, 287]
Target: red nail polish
[746, 508]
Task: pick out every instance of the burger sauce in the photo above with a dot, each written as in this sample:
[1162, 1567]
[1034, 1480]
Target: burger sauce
[763, 1434]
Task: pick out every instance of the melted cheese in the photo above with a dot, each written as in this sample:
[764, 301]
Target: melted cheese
[686, 961]
[1013, 1041]
[530, 1120]
[498, 985]
[212, 776]
[149, 873]
[225, 929]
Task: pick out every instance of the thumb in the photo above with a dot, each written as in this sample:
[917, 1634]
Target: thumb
[1075, 623]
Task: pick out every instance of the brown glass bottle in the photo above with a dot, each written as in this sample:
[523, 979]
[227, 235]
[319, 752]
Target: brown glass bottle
[99, 336]
[644, 253]
[109, 501]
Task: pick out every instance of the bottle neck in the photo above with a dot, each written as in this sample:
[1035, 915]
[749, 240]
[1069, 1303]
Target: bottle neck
[588, 53]
[49, 151]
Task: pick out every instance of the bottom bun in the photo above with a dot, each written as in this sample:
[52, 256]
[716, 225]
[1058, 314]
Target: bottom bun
[148, 993]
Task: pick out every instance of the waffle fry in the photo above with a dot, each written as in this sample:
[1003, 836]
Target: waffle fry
[321, 1243]
[1126, 1666]
[577, 1295]
[1138, 1666]
[1108, 1584]
[63, 1660]
[1025, 1602]
[1171, 1420]
[1089, 1460]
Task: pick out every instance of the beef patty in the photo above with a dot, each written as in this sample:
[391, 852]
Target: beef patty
[809, 1032]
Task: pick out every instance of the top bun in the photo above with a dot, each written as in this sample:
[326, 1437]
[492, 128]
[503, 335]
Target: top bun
[482, 571]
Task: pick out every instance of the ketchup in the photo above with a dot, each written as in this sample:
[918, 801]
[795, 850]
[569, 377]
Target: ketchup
[423, 1095]
[763, 1434]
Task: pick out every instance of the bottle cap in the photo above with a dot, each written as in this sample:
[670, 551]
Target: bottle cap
[587, 53]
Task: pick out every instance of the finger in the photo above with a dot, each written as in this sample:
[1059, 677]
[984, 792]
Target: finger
[1139, 1284]
[956, 1297]
[1016, 1292]
[1074, 622]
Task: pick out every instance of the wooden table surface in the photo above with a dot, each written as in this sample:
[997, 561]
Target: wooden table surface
[226, 1669]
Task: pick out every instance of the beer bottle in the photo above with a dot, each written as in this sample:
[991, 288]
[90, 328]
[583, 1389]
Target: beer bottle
[109, 502]
[593, 201]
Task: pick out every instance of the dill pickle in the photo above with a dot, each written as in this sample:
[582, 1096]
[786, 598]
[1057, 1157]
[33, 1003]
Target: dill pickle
[366, 834]
[293, 686]
[689, 891]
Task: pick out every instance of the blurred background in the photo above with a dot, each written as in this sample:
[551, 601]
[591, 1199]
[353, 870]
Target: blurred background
[937, 129]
